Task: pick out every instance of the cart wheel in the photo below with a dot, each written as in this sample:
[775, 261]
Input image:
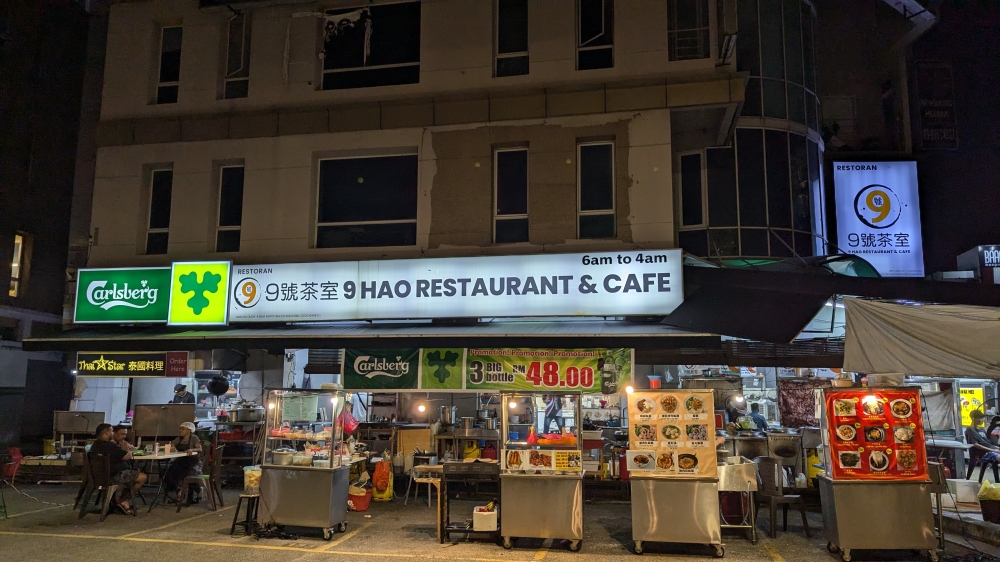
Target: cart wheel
[832, 548]
[327, 534]
[574, 546]
[508, 543]
[932, 555]
[637, 548]
[342, 527]
[719, 550]
[845, 555]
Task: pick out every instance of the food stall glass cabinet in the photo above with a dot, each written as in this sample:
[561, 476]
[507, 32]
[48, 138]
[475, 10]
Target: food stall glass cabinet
[304, 477]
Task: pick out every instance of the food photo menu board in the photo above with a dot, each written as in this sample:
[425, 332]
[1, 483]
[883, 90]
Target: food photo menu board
[876, 434]
[672, 433]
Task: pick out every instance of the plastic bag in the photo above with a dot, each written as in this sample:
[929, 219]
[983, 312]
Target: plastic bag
[989, 491]
[350, 424]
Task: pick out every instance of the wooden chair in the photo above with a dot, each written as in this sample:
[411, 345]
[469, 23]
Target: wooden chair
[99, 479]
[208, 482]
[976, 458]
[771, 494]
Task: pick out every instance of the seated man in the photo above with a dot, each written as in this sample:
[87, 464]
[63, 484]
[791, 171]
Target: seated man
[122, 472]
[119, 437]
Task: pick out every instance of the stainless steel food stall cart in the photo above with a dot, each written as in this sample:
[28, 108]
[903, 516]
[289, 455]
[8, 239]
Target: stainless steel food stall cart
[304, 478]
[673, 468]
[541, 485]
[876, 472]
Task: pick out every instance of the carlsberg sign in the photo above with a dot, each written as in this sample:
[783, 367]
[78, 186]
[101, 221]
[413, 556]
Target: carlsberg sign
[122, 295]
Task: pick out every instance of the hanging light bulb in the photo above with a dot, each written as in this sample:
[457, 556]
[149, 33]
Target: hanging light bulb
[512, 404]
[421, 408]
[629, 389]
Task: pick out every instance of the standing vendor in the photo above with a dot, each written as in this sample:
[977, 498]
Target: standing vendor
[553, 413]
[758, 420]
[181, 395]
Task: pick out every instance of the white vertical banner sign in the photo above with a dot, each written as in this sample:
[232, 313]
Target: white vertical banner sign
[878, 215]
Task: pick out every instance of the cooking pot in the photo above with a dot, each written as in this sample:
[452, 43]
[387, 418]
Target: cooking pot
[490, 423]
[247, 413]
[483, 415]
[468, 423]
[448, 415]
[282, 458]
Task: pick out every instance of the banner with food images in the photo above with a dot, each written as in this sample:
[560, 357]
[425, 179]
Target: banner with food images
[672, 433]
[535, 460]
[875, 434]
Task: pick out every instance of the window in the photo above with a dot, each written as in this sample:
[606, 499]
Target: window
[596, 34]
[692, 191]
[367, 202]
[227, 237]
[161, 184]
[596, 179]
[170, 64]
[19, 264]
[510, 179]
[372, 46]
[687, 30]
[237, 78]
[512, 37]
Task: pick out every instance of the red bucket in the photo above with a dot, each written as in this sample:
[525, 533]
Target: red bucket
[361, 502]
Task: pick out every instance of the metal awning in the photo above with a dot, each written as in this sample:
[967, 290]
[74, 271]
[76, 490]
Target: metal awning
[499, 333]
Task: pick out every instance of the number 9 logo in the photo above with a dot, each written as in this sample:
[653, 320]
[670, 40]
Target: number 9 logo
[247, 292]
[877, 206]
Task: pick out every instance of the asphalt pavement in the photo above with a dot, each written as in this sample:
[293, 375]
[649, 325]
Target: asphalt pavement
[44, 528]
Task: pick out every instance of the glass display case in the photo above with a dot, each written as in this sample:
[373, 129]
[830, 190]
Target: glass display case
[305, 469]
[541, 483]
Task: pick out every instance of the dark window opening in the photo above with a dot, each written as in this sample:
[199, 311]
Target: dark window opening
[720, 164]
[367, 202]
[372, 46]
[230, 209]
[691, 192]
[170, 64]
[596, 34]
[511, 180]
[161, 187]
[237, 81]
[752, 188]
[597, 190]
[512, 38]
[687, 30]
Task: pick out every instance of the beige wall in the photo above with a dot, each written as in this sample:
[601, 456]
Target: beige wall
[456, 54]
[455, 196]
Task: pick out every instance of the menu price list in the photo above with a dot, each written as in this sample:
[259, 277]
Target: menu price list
[672, 433]
[876, 435]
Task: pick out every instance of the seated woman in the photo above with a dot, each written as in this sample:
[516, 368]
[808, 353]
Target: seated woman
[122, 472]
[183, 467]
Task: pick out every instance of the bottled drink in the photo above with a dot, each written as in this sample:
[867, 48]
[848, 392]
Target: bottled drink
[609, 374]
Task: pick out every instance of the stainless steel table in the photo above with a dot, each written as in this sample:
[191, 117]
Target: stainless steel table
[676, 510]
[877, 515]
[543, 506]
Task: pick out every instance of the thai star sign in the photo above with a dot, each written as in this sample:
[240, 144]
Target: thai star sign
[122, 295]
[878, 215]
[599, 284]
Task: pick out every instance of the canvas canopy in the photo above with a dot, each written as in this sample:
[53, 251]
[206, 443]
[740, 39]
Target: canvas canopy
[930, 340]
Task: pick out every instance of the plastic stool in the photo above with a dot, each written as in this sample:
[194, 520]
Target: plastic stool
[250, 521]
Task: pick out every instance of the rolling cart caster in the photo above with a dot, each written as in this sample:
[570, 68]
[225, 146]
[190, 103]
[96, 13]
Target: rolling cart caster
[845, 555]
[574, 546]
[932, 555]
[832, 548]
[637, 548]
[720, 551]
[327, 534]
[508, 543]
[342, 527]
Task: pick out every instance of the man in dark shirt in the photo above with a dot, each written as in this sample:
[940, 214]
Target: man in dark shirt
[181, 395]
[758, 420]
[122, 472]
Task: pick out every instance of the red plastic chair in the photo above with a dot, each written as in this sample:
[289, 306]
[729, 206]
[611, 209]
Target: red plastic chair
[13, 463]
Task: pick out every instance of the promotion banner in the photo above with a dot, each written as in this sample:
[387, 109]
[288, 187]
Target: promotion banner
[875, 435]
[672, 433]
[971, 399]
[585, 370]
[381, 369]
[597, 370]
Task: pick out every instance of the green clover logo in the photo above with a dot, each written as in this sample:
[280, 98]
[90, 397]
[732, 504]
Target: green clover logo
[190, 284]
[434, 359]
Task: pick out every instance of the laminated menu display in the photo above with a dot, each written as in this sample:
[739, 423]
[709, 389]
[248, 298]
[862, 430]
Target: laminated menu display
[672, 433]
[875, 434]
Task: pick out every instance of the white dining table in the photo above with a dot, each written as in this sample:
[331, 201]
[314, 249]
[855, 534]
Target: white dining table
[162, 457]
